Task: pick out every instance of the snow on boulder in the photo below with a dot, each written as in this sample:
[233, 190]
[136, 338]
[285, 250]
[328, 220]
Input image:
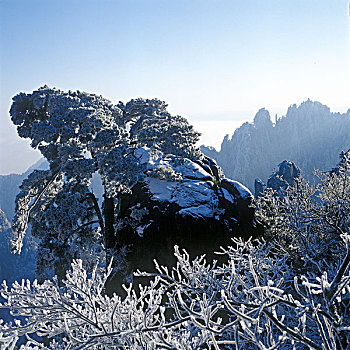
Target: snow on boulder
[190, 170]
[184, 202]
[235, 187]
[189, 186]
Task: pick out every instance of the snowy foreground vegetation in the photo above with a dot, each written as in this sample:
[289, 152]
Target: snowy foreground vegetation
[287, 290]
[253, 301]
[291, 290]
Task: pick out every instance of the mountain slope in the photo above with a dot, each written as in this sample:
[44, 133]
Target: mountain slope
[309, 135]
[9, 187]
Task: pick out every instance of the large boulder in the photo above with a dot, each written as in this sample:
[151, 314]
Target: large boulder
[185, 202]
[280, 179]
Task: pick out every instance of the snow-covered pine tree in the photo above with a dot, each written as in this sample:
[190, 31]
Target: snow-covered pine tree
[82, 134]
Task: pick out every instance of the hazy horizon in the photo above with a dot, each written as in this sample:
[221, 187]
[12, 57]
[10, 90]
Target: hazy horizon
[215, 63]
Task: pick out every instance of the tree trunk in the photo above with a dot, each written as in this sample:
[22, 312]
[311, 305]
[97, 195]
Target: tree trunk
[110, 244]
[110, 239]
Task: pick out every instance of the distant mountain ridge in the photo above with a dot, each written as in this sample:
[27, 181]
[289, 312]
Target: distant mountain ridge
[15, 266]
[310, 135]
[9, 187]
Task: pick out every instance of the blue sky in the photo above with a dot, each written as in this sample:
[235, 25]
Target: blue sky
[214, 62]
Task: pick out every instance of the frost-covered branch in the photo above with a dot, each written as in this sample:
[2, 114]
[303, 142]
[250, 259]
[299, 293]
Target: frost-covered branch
[308, 221]
[249, 300]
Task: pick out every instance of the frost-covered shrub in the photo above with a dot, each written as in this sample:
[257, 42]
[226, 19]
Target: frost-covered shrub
[307, 221]
[253, 301]
[163, 173]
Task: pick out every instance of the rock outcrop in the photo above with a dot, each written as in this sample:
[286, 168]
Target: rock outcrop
[188, 203]
[280, 179]
[285, 175]
[259, 187]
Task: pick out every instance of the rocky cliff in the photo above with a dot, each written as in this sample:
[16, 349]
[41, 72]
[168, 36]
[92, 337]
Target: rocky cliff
[310, 135]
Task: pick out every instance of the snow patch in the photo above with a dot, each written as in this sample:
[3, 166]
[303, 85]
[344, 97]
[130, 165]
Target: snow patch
[242, 190]
[192, 170]
[198, 211]
[161, 190]
[192, 193]
[228, 196]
